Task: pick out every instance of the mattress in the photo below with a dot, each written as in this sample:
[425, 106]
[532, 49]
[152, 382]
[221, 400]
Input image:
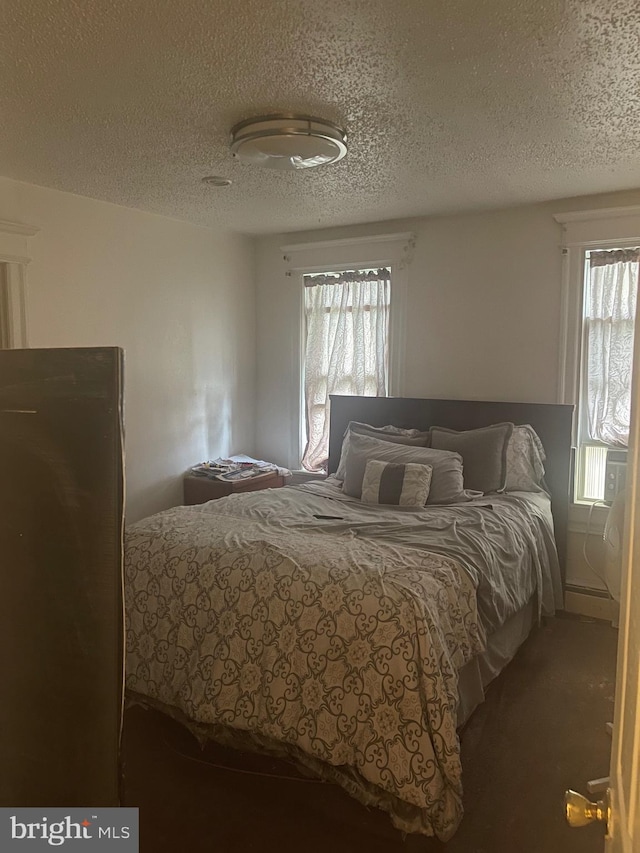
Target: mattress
[309, 622]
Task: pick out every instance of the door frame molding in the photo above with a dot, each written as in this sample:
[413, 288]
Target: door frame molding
[15, 255]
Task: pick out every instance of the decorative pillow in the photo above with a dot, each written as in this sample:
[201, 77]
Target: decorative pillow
[395, 483]
[525, 460]
[447, 484]
[396, 435]
[483, 451]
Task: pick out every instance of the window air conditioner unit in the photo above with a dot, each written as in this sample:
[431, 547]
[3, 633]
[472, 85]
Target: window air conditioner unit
[615, 474]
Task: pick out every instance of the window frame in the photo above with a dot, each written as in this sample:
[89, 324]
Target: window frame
[584, 231]
[394, 251]
[14, 258]
[303, 341]
[13, 334]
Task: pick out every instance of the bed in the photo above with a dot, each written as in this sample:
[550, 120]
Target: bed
[352, 638]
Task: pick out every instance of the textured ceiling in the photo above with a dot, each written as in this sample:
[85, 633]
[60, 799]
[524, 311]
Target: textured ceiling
[449, 104]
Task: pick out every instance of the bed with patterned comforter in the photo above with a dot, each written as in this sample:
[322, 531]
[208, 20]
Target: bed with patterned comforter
[335, 641]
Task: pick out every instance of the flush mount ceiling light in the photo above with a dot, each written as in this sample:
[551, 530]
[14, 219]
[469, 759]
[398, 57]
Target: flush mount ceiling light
[288, 142]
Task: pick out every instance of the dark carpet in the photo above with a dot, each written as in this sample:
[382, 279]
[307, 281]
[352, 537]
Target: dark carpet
[541, 730]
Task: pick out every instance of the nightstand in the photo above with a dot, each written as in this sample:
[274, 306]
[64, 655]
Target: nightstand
[199, 490]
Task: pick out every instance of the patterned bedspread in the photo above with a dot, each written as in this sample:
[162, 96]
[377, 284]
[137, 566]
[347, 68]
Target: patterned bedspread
[250, 614]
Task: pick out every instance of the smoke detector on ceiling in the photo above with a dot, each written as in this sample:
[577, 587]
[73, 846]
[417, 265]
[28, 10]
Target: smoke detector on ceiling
[288, 142]
[217, 181]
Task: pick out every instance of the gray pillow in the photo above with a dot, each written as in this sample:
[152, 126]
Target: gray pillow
[397, 435]
[483, 451]
[447, 484]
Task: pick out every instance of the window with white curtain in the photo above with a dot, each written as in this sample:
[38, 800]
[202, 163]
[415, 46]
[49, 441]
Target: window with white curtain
[346, 347]
[5, 330]
[609, 311]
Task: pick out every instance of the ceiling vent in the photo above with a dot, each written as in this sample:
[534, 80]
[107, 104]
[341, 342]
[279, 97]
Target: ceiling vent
[288, 142]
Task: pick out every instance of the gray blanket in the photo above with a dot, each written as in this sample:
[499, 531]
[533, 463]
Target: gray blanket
[505, 542]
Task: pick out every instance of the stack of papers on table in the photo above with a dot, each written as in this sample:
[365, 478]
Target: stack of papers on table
[238, 467]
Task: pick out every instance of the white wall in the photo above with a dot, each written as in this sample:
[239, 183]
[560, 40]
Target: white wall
[483, 316]
[178, 298]
[483, 306]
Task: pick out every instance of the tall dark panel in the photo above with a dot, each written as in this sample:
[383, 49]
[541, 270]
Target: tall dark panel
[61, 621]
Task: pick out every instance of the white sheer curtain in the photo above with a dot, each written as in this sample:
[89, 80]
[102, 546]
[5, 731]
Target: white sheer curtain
[347, 332]
[610, 312]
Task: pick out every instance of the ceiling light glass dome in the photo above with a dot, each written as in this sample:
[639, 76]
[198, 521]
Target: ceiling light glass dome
[288, 143]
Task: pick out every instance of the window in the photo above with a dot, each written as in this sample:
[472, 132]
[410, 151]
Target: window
[14, 258]
[599, 294]
[12, 304]
[346, 347]
[609, 311]
[311, 269]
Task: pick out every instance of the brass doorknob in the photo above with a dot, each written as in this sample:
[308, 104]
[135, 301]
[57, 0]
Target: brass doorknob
[580, 811]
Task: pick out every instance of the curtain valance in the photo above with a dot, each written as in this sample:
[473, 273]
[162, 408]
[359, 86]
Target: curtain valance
[347, 277]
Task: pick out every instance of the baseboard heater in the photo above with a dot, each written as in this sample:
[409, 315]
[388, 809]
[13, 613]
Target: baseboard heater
[587, 590]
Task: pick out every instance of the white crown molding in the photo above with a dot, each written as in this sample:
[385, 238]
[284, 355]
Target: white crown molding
[14, 259]
[7, 227]
[350, 253]
[403, 237]
[609, 243]
[602, 213]
[610, 227]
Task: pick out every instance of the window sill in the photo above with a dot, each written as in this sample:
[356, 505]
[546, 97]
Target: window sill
[579, 518]
[300, 476]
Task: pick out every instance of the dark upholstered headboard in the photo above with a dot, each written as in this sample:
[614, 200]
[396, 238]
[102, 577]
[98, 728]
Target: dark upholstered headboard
[551, 422]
